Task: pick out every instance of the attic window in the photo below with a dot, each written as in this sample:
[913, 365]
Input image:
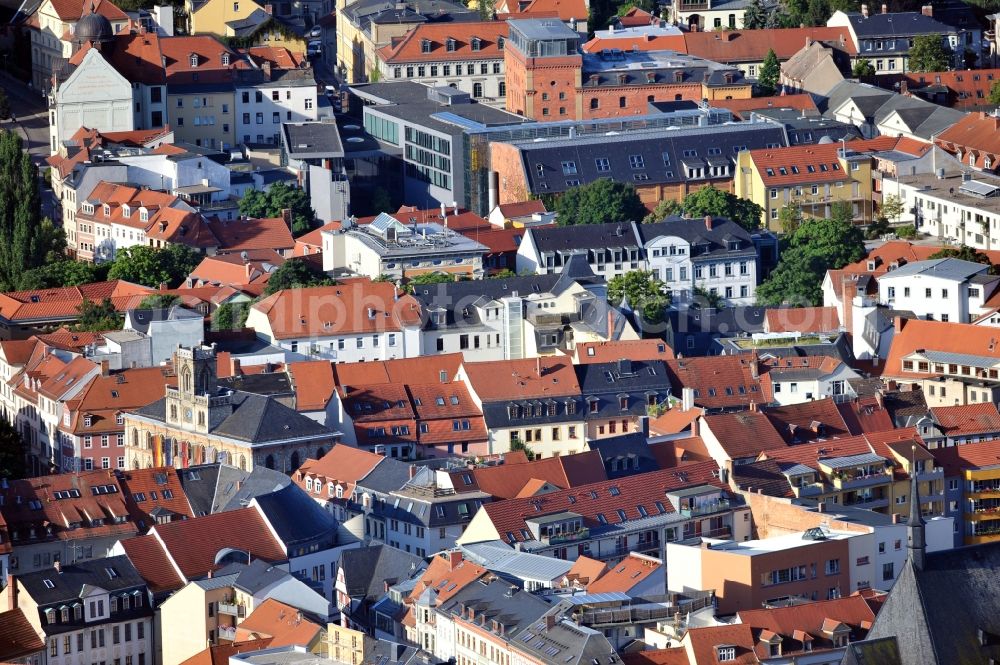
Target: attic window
[450, 44]
[193, 59]
[225, 59]
[425, 46]
[725, 653]
[500, 41]
[87, 421]
[477, 44]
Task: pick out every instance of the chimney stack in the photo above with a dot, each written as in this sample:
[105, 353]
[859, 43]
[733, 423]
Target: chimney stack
[927, 10]
[885, 8]
[454, 559]
[898, 323]
[413, 471]
[286, 215]
[821, 506]
[105, 367]
[864, 10]
[708, 222]
[58, 566]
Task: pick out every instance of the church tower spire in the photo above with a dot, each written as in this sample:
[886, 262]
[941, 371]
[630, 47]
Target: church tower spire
[916, 541]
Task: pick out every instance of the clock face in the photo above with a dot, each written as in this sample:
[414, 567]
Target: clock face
[187, 415]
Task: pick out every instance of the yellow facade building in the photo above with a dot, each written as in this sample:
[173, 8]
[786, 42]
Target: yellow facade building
[814, 177]
[203, 613]
[973, 472]
[212, 16]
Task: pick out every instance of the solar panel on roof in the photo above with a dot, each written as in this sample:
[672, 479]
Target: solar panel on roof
[977, 188]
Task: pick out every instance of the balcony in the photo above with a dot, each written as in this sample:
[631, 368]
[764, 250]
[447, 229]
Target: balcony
[860, 480]
[869, 503]
[708, 508]
[232, 609]
[625, 616]
[558, 538]
[934, 474]
[227, 633]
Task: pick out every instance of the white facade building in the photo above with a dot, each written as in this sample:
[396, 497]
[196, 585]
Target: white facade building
[96, 96]
[939, 289]
[261, 108]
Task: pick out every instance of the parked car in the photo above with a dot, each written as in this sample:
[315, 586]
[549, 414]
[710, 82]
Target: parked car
[316, 31]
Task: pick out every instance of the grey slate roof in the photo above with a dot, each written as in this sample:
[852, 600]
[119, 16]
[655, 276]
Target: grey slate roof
[636, 379]
[141, 318]
[297, 517]
[265, 383]
[252, 577]
[883, 651]
[368, 569]
[67, 584]
[312, 140]
[388, 476]
[542, 161]
[935, 613]
[707, 243]
[630, 452]
[949, 268]
[585, 236]
[214, 488]
[896, 24]
[500, 558]
[255, 419]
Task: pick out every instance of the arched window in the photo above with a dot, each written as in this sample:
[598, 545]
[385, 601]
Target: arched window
[186, 379]
[269, 461]
[477, 89]
[320, 452]
[295, 461]
[243, 463]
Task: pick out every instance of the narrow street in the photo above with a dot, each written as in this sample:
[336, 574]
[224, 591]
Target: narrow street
[30, 109]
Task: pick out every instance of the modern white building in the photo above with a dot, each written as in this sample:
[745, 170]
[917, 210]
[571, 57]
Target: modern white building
[799, 380]
[266, 98]
[390, 247]
[939, 289]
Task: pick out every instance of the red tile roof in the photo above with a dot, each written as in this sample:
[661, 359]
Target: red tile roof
[627, 574]
[640, 349]
[71, 10]
[809, 420]
[312, 242]
[344, 465]
[237, 235]
[209, 67]
[360, 306]
[522, 379]
[425, 369]
[107, 396]
[194, 544]
[719, 381]
[522, 208]
[564, 9]
[970, 419]
[62, 303]
[155, 490]
[644, 489]
[640, 42]
[734, 46]
[17, 637]
[506, 480]
[901, 252]
[278, 56]
[802, 320]
[965, 88]
[672, 656]
[499, 241]
[976, 133]
[919, 334]
[743, 434]
[409, 47]
[865, 414]
[137, 57]
[313, 383]
[791, 165]
[283, 623]
[447, 574]
[220, 655]
[970, 456]
[704, 642]
[674, 421]
[233, 270]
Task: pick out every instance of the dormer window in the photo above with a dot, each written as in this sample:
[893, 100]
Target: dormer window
[425, 46]
[193, 59]
[120, 419]
[143, 215]
[725, 653]
[450, 44]
[500, 41]
[225, 59]
[87, 421]
[477, 44]
[107, 210]
[126, 211]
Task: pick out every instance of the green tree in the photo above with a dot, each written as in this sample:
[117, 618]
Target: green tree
[381, 201]
[892, 207]
[906, 231]
[4, 105]
[929, 54]
[159, 301]
[97, 316]
[230, 316]
[719, 203]
[598, 202]
[707, 298]
[296, 273]
[816, 246]
[817, 12]
[12, 452]
[152, 267]
[965, 253]
[755, 16]
[646, 294]
[995, 93]
[26, 240]
[878, 228]
[427, 278]
[790, 218]
[663, 209]
[519, 446]
[63, 272]
[863, 68]
[506, 273]
[767, 77]
[280, 197]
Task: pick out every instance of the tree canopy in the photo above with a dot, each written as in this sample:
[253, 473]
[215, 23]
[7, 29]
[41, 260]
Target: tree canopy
[97, 316]
[159, 301]
[63, 272]
[770, 72]
[929, 54]
[296, 273]
[816, 246]
[663, 209]
[965, 253]
[152, 267]
[790, 218]
[277, 198]
[719, 203]
[26, 240]
[646, 294]
[756, 16]
[230, 316]
[863, 68]
[598, 202]
[12, 452]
